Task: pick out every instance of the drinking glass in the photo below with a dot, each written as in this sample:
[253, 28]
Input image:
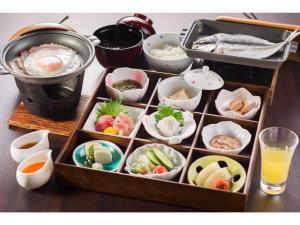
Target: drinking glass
[277, 146]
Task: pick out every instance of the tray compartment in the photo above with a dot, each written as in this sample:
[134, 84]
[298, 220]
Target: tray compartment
[88, 124]
[251, 126]
[256, 90]
[82, 136]
[153, 80]
[199, 153]
[200, 108]
[140, 142]
[143, 134]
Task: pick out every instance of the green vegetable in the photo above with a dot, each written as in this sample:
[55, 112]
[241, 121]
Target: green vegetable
[90, 156]
[152, 157]
[164, 111]
[163, 158]
[140, 168]
[112, 107]
[90, 159]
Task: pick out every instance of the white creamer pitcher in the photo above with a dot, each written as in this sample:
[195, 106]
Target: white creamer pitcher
[37, 178]
[41, 139]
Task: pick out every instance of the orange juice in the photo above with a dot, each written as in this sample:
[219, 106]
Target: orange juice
[275, 165]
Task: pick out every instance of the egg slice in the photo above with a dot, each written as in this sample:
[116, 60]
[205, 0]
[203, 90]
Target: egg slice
[52, 61]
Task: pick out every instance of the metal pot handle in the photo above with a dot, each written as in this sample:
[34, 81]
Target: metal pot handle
[3, 71]
[182, 34]
[293, 47]
[95, 41]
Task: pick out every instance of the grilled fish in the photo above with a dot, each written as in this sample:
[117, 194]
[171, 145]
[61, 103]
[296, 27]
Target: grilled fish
[240, 45]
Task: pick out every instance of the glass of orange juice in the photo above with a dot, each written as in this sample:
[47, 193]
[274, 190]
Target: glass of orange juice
[277, 146]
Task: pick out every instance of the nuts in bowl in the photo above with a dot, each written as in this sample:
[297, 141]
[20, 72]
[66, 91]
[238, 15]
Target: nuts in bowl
[237, 104]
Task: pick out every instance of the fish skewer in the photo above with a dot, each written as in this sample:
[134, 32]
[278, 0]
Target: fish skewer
[241, 45]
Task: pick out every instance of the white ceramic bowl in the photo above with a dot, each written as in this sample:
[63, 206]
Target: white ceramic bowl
[79, 155]
[40, 177]
[225, 128]
[170, 66]
[171, 85]
[189, 127]
[225, 97]
[176, 157]
[40, 137]
[125, 73]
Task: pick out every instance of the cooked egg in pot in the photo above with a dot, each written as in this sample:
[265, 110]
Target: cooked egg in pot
[51, 61]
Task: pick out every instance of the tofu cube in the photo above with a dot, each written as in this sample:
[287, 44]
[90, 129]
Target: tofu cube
[102, 155]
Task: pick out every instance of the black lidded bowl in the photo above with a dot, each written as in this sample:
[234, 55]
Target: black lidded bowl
[120, 45]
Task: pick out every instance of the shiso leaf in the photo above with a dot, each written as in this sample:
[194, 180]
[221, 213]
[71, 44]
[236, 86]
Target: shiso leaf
[165, 111]
[113, 107]
[178, 116]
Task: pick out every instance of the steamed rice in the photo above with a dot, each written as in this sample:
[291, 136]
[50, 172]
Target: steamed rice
[168, 52]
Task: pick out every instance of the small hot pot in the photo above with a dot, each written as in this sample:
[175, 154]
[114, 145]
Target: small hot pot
[54, 97]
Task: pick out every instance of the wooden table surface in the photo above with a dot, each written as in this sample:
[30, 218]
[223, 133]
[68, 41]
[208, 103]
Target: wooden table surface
[285, 112]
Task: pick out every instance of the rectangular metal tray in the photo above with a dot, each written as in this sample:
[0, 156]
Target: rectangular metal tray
[209, 27]
[178, 191]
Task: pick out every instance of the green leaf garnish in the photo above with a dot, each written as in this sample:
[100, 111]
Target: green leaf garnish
[113, 107]
[178, 116]
[90, 156]
[165, 111]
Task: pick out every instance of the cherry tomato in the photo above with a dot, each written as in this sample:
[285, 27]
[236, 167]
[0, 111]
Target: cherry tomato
[159, 169]
[221, 184]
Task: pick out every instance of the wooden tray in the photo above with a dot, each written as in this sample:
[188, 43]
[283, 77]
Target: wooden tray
[24, 119]
[178, 191]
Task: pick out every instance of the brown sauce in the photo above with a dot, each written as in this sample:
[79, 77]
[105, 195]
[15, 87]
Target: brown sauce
[28, 145]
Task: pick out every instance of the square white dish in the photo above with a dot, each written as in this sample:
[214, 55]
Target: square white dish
[135, 113]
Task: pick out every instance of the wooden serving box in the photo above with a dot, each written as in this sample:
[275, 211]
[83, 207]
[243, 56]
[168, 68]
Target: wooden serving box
[178, 191]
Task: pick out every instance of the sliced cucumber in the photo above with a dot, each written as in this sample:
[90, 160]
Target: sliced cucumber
[151, 156]
[163, 158]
